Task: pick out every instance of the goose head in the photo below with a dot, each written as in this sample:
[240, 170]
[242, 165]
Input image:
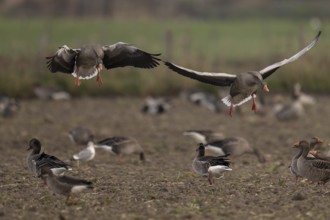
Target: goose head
[256, 79]
[201, 150]
[35, 145]
[314, 141]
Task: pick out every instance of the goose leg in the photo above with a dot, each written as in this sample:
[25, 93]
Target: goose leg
[77, 81]
[98, 77]
[254, 106]
[210, 178]
[231, 108]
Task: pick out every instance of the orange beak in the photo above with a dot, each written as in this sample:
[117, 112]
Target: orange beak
[266, 88]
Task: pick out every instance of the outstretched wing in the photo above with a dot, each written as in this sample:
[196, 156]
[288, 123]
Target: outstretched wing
[218, 79]
[272, 68]
[123, 54]
[63, 60]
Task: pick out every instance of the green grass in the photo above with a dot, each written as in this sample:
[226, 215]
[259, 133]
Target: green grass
[215, 45]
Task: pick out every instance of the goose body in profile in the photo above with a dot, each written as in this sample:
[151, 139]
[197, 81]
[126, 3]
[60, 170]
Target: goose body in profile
[88, 61]
[121, 146]
[235, 146]
[65, 185]
[210, 166]
[293, 166]
[313, 169]
[243, 86]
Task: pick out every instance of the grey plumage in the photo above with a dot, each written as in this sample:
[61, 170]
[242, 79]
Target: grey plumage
[121, 145]
[65, 185]
[208, 165]
[87, 61]
[243, 86]
[313, 169]
[234, 146]
[37, 161]
[80, 135]
[203, 136]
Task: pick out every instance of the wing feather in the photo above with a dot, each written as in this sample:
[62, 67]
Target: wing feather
[267, 71]
[63, 60]
[218, 79]
[123, 54]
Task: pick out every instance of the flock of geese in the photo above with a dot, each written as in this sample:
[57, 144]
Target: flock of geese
[214, 149]
[51, 169]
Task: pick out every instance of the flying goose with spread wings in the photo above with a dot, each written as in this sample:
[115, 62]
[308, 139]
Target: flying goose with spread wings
[87, 61]
[243, 86]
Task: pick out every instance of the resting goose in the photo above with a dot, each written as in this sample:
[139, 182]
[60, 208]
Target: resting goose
[87, 61]
[210, 166]
[65, 185]
[289, 112]
[8, 106]
[235, 146]
[121, 145]
[203, 136]
[80, 135]
[293, 166]
[37, 161]
[313, 169]
[155, 106]
[243, 86]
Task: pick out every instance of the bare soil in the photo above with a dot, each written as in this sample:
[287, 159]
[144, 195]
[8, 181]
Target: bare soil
[164, 187]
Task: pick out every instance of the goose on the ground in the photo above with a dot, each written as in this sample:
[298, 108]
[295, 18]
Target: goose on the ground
[8, 107]
[121, 145]
[65, 185]
[80, 135]
[207, 100]
[290, 112]
[304, 98]
[86, 154]
[204, 136]
[155, 106]
[50, 93]
[36, 160]
[234, 146]
[210, 166]
[313, 169]
[87, 61]
[243, 86]
[293, 166]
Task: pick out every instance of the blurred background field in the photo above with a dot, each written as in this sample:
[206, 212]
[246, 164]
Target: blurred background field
[214, 36]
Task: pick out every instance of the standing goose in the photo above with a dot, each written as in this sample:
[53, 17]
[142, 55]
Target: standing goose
[243, 86]
[87, 61]
[121, 145]
[86, 154]
[313, 169]
[203, 136]
[235, 146]
[293, 166]
[37, 161]
[210, 166]
[65, 185]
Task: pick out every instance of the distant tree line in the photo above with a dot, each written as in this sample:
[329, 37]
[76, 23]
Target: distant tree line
[200, 9]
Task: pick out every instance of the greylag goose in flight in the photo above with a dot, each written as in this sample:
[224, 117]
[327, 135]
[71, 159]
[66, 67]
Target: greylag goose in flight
[87, 61]
[243, 86]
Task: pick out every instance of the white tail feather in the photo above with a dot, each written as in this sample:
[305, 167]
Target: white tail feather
[227, 100]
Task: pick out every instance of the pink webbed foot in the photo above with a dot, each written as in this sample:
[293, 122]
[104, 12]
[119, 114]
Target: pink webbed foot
[77, 81]
[99, 79]
[254, 106]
